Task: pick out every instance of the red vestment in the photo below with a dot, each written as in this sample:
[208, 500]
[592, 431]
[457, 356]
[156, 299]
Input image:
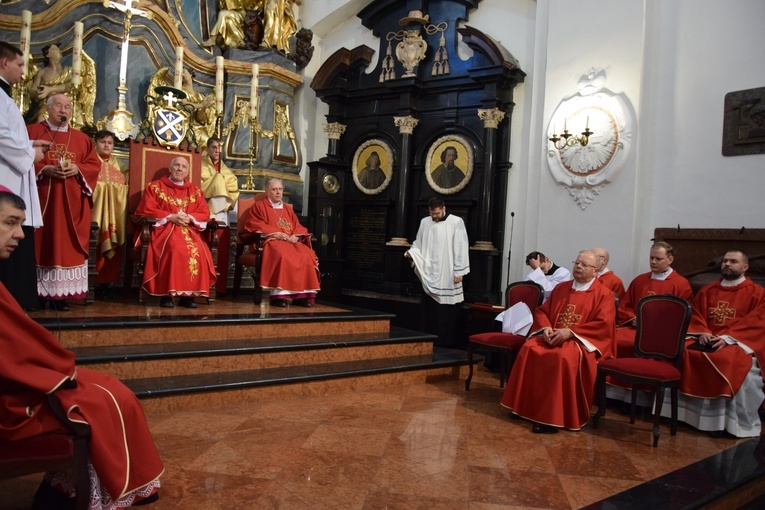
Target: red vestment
[61, 245]
[724, 311]
[286, 266]
[612, 282]
[642, 286]
[179, 262]
[34, 364]
[556, 385]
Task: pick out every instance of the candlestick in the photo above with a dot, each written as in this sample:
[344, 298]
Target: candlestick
[178, 77]
[219, 85]
[254, 92]
[26, 34]
[77, 54]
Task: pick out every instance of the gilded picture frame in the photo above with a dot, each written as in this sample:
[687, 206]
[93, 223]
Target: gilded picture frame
[449, 164]
[372, 166]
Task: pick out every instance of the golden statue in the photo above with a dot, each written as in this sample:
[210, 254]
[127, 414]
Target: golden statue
[229, 29]
[202, 105]
[55, 78]
[279, 24]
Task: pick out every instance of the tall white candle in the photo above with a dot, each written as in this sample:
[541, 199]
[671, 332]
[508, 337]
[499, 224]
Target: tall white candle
[254, 92]
[26, 35]
[77, 54]
[219, 85]
[178, 76]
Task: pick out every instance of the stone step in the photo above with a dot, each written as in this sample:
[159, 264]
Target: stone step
[138, 361]
[196, 391]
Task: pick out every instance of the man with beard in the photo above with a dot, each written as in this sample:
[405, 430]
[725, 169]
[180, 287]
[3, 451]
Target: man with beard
[448, 175]
[721, 386]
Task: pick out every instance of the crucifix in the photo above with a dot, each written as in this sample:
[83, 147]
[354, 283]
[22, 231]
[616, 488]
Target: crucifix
[120, 121]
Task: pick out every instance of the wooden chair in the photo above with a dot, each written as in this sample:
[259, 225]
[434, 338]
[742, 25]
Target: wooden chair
[505, 344]
[59, 451]
[662, 324]
[148, 162]
[253, 242]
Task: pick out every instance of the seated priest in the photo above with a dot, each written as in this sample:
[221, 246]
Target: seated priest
[290, 268]
[124, 463]
[721, 389]
[179, 262]
[553, 379]
[606, 276]
[660, 280]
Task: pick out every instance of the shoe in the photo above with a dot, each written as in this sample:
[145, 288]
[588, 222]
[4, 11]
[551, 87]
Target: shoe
[166, 302]
[302, 302]
[721, 434]
[59, 304]
[147, 501]
[187, 302]
[540, 428]
[278, 302]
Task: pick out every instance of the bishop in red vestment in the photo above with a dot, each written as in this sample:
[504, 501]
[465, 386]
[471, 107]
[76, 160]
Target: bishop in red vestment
[662, 279]
[34, 364]
[66, 178]
[290, 268]
[553, 379]
[179, 262]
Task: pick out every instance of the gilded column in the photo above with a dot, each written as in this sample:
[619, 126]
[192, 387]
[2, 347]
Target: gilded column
[491, 118]
[405, 127]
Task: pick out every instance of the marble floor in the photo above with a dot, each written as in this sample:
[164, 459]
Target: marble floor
[423, 446]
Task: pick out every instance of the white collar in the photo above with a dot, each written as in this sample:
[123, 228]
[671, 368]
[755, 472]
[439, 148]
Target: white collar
[275, 205]
[581, 287]
[661, 276]
[733, 283]
[173, 180]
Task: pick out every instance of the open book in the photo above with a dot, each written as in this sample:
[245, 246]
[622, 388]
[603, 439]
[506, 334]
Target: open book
[517, 319]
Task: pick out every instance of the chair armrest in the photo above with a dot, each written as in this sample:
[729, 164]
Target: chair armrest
[250, 237]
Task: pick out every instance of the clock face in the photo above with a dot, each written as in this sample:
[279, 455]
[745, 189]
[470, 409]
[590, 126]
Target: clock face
[330, 184]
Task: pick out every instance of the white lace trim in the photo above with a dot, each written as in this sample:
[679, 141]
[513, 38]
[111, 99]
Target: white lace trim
[62, 282]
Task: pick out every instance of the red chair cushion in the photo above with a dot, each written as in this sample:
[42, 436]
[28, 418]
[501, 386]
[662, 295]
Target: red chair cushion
[499, 339]
[26, 455]
[642, 367]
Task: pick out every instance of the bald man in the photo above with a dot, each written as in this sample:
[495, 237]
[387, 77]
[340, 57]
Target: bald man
[606, 276]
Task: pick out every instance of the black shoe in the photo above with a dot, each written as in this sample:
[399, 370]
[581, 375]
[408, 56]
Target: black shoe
[278, 302]
[166, 302]
[302, 302]
[59, 304]
[540, 428]
[721, 434]
[187, 302]
[147, 501]
[47, 498]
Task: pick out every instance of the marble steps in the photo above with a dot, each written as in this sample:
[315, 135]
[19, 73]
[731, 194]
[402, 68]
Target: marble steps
[199, 391]
[139, 361]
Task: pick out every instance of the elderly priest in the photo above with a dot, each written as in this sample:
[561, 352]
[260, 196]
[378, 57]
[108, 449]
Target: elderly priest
[179, 262]
[553, 379]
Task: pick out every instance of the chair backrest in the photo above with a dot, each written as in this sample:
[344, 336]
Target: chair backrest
[149, 161]
[245, 201]
[529, 292]
[662, 324]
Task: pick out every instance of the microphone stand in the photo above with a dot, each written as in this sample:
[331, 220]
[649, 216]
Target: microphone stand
[510, 247]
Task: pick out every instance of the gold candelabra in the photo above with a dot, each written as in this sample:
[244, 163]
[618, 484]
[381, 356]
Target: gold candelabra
[567, 139]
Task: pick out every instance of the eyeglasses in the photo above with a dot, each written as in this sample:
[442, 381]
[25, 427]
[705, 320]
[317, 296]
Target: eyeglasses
[582, 264]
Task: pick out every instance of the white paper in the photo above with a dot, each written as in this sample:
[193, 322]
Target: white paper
[517, 319]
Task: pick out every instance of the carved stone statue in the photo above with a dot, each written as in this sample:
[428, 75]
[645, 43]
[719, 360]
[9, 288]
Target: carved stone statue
[229, 29]
[55, 78]
[279, 24]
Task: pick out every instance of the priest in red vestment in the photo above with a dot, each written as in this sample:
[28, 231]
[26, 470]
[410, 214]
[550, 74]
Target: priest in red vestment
[109, 211]
[290, 268]
[66, 177]
[34, 364]
[662, 279]
[553, 379]
[179, 262]
[606, 276]
[728, 319]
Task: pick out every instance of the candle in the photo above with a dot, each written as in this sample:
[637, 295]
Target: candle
[219, 85]
[77, 54]
[26, 33]
[178, 77]
[254, 92]
[565, 125]
[588, 124]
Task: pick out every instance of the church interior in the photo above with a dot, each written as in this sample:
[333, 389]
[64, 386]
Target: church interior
[571, 125]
